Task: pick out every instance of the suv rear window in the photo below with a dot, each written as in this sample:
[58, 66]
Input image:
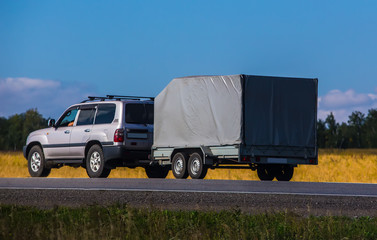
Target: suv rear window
[139, 113]
[105, 113]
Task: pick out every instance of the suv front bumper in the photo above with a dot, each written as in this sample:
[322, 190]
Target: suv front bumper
[24, 151]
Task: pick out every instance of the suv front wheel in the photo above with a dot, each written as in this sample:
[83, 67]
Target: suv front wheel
[36, 163]
[95, 163]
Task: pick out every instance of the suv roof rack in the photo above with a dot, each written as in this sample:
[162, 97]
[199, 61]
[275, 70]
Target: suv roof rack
[116, 97]
[128, 97]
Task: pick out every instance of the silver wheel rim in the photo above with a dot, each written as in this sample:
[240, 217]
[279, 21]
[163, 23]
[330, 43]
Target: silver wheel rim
[95, 161]
[35, 163]
[195, 166]
[178, 166]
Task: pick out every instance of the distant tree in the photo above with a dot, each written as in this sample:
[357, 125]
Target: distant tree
[4, 126]
[331, 131]
[321, 133]
[356, 126]
[33, 121]
[371, 128]
[15, 131]
[344, 136]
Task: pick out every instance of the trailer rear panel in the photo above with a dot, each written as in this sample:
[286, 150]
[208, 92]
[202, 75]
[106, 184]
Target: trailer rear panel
[280, 111]
[280, 117]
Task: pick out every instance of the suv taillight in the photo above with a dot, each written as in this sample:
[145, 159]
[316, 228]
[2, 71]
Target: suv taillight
[119, 135]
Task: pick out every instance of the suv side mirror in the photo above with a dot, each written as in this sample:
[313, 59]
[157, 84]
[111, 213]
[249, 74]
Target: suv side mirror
[51, 123]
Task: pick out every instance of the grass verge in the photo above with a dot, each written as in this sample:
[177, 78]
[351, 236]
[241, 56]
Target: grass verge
[121, 222]
[351, 165]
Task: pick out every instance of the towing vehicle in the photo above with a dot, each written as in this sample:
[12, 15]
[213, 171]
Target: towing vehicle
[99, 134]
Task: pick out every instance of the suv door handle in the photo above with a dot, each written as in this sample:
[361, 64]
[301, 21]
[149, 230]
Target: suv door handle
[67, 131]
[87, 130]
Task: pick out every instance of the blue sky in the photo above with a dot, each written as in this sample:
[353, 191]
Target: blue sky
[55, 53]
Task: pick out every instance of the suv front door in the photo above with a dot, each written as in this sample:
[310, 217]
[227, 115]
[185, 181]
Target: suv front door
[59, 137]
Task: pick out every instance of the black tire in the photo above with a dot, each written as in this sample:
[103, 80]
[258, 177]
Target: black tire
[196, 167]
[95, 163]
[156, 171]
[265, 173]
[105, 173]
[179, 166]
[284, 173]
[36, 163]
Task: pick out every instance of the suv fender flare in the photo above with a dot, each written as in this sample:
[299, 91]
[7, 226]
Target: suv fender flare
[27, 148]
[89, 145]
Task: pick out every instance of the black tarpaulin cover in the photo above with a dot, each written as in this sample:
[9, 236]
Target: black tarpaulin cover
[280, 111]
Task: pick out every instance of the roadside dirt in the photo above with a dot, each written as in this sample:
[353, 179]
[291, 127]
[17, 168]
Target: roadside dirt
[303, 205]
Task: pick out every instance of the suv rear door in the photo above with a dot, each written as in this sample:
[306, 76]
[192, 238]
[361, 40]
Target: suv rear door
[82, 131]
[104, 124]
[139, 125]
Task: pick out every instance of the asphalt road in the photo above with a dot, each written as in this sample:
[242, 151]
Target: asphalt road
[303, 198]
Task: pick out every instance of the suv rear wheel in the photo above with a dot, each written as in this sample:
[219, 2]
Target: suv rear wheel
[95, 163]
[36, 163]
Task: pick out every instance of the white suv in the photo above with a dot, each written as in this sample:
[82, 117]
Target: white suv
[99, 134]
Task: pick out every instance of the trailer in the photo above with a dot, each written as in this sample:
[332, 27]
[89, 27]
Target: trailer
[262, 123]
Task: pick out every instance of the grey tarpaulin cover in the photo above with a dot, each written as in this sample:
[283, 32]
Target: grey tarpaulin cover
[235, 109]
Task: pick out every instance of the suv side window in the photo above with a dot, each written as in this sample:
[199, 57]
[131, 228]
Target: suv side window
[68, 118]
[105, 113]
[86, 117]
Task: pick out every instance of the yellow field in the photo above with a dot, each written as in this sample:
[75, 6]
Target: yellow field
[355, 165]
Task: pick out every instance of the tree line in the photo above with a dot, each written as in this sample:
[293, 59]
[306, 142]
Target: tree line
[360, 131]
[15, 129]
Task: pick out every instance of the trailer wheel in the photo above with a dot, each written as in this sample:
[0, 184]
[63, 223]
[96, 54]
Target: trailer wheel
[196, 168]
[265, 173]
[284, 173]
[179, 166]
[156, 171]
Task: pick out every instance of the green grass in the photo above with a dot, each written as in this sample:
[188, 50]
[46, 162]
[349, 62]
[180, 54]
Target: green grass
[121, 222]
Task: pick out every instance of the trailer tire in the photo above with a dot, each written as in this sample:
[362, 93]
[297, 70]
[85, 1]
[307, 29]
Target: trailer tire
[179, 165]
[284, 173]
[196, 167]
[156, 171]
[266, 173]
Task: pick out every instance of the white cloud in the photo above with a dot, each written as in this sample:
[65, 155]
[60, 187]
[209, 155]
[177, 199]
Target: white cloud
[336, 99]
[342, 104]
[22, 84]
[50, 97]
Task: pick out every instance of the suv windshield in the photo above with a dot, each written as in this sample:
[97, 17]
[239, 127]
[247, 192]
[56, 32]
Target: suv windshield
[139, 113]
